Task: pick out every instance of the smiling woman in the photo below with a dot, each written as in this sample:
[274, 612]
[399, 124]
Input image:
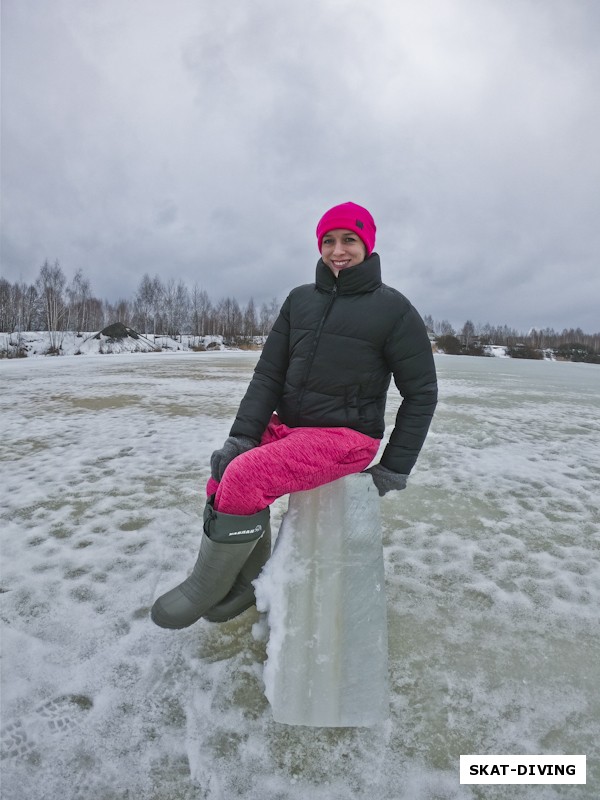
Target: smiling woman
[346, 236]
[313, 412]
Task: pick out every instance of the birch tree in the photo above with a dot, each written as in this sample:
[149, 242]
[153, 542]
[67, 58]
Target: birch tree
[79, 294]
[200, 309]
[51, 285]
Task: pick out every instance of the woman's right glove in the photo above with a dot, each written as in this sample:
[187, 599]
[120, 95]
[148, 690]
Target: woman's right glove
[234, 446]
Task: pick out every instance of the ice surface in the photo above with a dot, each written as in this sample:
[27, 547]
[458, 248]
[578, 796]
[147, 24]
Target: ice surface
[324, 592]
[492, 558]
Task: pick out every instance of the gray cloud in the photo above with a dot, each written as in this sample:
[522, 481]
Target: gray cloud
[203, 140]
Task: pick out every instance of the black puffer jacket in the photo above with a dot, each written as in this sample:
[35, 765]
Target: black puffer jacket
[329, 358]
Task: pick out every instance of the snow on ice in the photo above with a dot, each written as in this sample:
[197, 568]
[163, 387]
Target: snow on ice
[492, 579]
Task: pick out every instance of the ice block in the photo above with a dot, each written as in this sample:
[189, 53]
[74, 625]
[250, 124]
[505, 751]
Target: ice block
[324, 595]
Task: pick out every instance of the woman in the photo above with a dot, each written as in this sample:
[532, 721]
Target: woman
[313, 413]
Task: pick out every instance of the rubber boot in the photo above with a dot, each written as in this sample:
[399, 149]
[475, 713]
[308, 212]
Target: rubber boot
[227, 543]
[241, 595]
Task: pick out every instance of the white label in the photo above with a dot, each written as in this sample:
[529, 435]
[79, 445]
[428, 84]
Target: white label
[487, 769]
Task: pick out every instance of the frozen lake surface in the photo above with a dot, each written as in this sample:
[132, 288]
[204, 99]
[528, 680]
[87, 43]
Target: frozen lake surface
[492, 571]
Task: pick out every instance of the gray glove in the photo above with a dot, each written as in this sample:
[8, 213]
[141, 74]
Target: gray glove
[386, 480]
[234, 446]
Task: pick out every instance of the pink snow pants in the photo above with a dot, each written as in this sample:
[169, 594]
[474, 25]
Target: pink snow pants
[289, 460]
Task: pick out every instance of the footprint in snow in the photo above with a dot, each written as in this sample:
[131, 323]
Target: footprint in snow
[20, 738]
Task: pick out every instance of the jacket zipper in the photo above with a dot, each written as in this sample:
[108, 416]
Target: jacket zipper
[313, 350]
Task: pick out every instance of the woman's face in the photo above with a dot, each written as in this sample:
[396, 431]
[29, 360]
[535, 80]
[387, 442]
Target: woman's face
[341, 249]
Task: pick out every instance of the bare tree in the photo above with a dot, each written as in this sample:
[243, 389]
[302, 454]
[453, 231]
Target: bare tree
[229, 318]
[250, 323]
[79, 294]
[97, 317]
[7, 316]
[51, 284]
[429, 322]
[29, 306]
[122, 311]
[268, 314]
[445, 328]
[175, 308]
[158, 295]
[264, 319]
[148, 306]
[144, 304]
[200, 308]
[183, 302]
[468, 332]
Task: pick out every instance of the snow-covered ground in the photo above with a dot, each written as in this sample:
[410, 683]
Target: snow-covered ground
[496, 350]
[493, 585]
[69, 343]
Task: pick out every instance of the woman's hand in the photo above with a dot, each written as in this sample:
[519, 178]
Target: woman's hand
[386, 480]
[234, 446]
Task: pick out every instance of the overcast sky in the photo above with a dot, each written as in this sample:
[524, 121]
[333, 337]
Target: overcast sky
[203, 139]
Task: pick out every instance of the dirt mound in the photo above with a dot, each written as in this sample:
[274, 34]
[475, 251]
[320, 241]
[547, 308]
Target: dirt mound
[117, 331]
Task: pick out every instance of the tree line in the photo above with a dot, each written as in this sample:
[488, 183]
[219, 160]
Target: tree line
[472, 339]
[170, 308]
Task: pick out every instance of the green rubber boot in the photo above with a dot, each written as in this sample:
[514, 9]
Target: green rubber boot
[241, 595]
[227, 543]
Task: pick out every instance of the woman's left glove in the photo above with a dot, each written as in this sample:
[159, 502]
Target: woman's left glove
[234, 446]
[386, 480]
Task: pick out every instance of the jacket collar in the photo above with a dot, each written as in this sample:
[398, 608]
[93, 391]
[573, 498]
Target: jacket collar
[364, 277]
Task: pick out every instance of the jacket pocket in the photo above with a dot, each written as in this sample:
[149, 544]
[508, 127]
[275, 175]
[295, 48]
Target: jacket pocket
[352, 405]
[371, 411]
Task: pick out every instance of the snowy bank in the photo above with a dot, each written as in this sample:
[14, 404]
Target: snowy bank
[69, 343]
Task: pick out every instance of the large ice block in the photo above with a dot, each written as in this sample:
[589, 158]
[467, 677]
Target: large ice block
[324, 593]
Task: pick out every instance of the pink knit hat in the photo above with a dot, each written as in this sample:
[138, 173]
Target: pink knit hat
[350, 217]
